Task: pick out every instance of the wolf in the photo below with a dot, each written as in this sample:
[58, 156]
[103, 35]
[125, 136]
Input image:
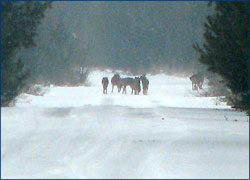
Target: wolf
[136, 87]
[134, 83]
[145, 83]
[197, 81]
[105, 82]
[116, 81]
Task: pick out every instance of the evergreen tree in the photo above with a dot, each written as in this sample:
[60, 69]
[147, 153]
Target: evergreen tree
[226, 48]
[19, 21]
[58, 55]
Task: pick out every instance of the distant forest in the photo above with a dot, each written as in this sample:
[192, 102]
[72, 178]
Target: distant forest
[54, 42]
[137, 37]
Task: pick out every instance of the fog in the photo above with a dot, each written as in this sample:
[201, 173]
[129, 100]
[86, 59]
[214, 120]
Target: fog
[133, 36]
[60, 124]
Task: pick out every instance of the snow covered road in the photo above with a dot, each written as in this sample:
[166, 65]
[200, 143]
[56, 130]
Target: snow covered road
[77, 132]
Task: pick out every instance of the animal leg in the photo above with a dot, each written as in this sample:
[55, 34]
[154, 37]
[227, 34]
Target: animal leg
[112, 88]
[123, 91]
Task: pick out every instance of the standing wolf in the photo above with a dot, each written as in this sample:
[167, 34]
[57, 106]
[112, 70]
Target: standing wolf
[116, 81]
[133, 83]
[145, 83]
[197, 81]
[105, 82]
[136, 86]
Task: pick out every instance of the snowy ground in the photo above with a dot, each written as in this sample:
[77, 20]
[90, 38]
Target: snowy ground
[77, 132]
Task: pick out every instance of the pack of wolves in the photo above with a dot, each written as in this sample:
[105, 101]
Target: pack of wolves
[123, 83]
[135, 83]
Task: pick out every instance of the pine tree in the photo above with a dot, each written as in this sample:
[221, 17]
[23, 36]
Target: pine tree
[19, 21]
[226, 48]
[58, 54]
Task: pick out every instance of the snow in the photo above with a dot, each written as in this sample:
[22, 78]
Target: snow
[77, 132]
[168, 91]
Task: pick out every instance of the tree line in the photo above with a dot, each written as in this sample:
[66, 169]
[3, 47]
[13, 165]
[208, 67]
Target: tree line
[19, 21]
[225, 49]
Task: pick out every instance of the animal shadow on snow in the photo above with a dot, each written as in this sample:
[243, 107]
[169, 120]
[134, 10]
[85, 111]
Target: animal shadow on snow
[58, 112]
[140, 113]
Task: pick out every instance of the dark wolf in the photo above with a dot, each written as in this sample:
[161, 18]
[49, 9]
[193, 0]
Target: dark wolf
[134, 83]
[145, 83]
[105, 82]
[197, 81]
[116, 81]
